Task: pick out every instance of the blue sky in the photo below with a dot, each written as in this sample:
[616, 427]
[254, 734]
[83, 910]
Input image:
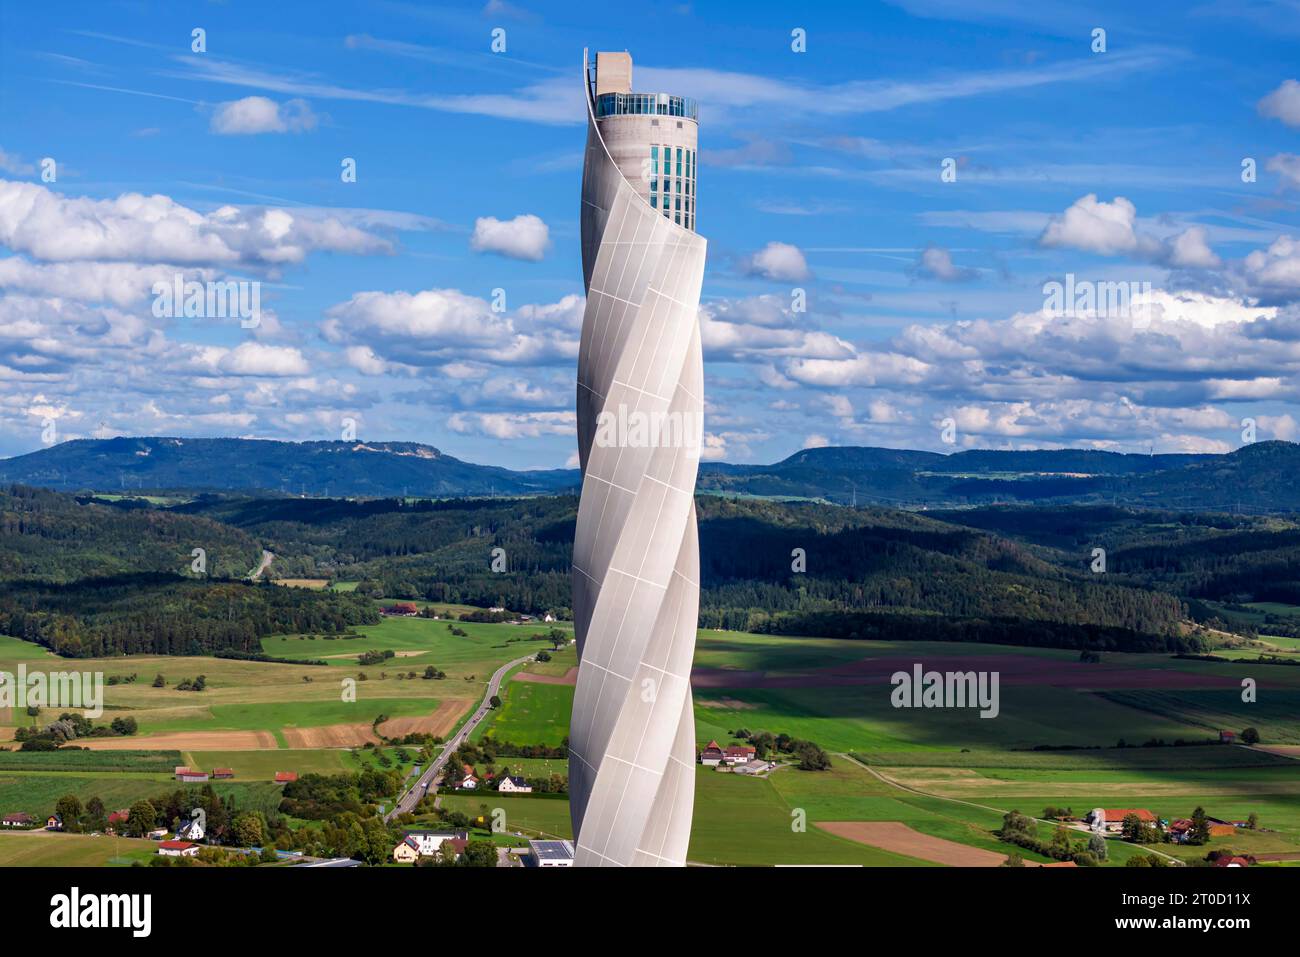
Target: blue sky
[821, 171]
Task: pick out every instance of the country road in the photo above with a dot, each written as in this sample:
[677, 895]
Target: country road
[424, 783]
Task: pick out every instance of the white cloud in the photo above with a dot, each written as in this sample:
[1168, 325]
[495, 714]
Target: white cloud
[54, 227]
[1189, 250]
[524, 237]
[816, 441]
[436, 326]
[1109, 229]
[1286, 165]
[1283, 104]
[257, 359]
[257, 114]
[364, 360]
[1278, 266]
[513, 425]
[779, 261]
[14, 165]
[1094, 226]
[936, 263]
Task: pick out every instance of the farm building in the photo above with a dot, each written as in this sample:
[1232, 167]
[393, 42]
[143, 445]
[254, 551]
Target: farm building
[1111, 819]
[712, 755]
[117, 819]
[285, 777]
[551, 853]
[401, 608]
[54, 823]
[220, 774]
[754, 767]
[1228, 737]
[192, 777]
[1226, 861]
[736, 753]
[514, 785]
[177, 849]
[18, 819]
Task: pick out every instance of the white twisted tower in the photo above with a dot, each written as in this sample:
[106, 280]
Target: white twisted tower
[640, 420]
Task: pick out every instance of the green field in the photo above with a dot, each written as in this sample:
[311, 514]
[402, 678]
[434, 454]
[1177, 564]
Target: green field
[262, 765]
[45, 849]
[548, 817]
[945, 772]
[67, 759]
[38, 793]
[531, 713]
[1110, 759]
[1276, 713]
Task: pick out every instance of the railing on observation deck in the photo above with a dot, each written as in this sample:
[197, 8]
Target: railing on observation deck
[661, 104]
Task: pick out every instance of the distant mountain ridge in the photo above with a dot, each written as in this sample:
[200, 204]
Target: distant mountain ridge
[1260, 477]
[337, 468]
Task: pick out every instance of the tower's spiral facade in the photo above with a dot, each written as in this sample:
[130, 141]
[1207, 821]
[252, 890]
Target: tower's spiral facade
[640, 422]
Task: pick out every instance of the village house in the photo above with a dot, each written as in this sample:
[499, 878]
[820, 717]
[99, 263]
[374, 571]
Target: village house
[221, 774]
[401, 608]
[711, 756]
[178, 849]
[1181, 829]
[754, 767]
[117, 819]
[54, 823]
[286, 777]
[1227, 737]
[191, 777]
[1226, 861]
[428, 843]
[157, 834]
[511, 784]
[1111, 819]
[737, 753]
[18, 819]
[191, 830]
[406, 851]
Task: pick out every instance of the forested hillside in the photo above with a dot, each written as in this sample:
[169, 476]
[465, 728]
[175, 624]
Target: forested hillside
[90, 577]
[85, 579]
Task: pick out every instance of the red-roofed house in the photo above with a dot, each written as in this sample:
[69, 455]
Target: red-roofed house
[219, 773]
[711, 755]
[178, 849]
[1226, 861]
[1228, 737]
[1112, 818]
[191, 777]
[285, 777]
[117, 819]
[738, 753]
[18, 819]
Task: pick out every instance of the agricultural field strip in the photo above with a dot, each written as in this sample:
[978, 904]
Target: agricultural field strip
[983, 807]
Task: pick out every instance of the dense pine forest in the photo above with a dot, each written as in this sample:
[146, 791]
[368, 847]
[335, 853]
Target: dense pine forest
[88, 577]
